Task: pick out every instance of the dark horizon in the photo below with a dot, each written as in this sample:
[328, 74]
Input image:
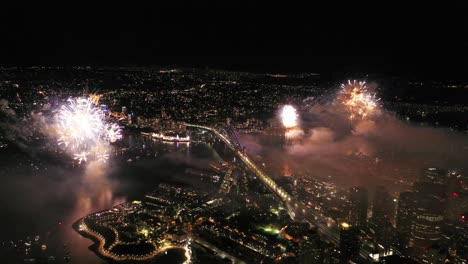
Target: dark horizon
[394, 40]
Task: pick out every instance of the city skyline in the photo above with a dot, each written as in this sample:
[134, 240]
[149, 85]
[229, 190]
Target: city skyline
[232, 134]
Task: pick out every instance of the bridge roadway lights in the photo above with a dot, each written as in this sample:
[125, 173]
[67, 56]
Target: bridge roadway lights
[265, 178]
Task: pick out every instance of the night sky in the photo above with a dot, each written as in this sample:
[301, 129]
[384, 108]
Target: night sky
[428, 42]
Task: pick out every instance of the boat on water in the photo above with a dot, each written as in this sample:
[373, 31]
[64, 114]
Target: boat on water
[171, 137]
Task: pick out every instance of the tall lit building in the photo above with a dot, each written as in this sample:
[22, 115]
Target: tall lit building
[383, 233]
[349, 243]
[448, 184]
[383, 211]
[383, 205]
[429, 213]
[434, 175]
[315, 251]
[457, 197]
[359, 200]
[404, 219]
[462, 243]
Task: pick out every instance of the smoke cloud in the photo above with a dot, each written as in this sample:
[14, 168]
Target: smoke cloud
[378, 150]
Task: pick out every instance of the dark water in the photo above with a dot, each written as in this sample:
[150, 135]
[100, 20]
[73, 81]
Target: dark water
[44, 196]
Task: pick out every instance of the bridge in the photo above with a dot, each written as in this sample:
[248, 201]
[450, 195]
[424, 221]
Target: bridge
[297, 210]
[266, 180]
[226, 184]
[285, 197]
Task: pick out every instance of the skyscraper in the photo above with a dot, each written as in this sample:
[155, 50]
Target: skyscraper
[349, 243]
[358, 198]
[457, 197]
[434, 175]
[404, 219]
[315, 251]
[429, 213]
[383, 210]
[383, 205]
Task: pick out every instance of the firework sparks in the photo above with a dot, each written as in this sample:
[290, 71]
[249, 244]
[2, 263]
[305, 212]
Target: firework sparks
[100, 152]
[83, 130]
[358, 100]
[81, 157]
[95, 98]
[113, 132]
[79, 121]
[102, 157]
[289, 116]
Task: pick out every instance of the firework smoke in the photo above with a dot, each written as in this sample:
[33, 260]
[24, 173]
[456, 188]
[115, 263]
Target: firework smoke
[329, 145]
[294, 133]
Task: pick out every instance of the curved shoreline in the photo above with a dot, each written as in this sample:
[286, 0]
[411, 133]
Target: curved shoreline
[99, 242]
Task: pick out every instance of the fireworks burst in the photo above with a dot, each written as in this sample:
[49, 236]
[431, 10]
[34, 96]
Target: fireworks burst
[289, 116]
[358, 100]
[102, 157]
[81, 157]
[95, 98]
[113, 132]
[79, 122]
[100, 152]
[83, 130]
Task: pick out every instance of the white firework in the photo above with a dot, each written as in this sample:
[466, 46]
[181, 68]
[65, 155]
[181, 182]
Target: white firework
[101, 151]
[81, 157]
[83, 130]
[102, 157]
[79, 123]
[113, 132]
[289, 116]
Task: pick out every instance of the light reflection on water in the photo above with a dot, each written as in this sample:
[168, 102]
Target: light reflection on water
[55, 198]
[95, 193]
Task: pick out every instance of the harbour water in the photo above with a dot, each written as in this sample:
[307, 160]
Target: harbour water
[50, 195]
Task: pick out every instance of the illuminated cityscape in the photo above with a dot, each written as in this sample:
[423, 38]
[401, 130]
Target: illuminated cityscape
[169, 142]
